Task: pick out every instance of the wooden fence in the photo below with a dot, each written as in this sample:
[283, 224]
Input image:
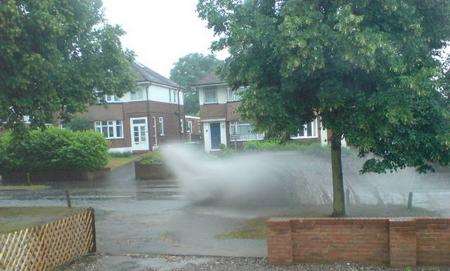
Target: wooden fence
[48, 246]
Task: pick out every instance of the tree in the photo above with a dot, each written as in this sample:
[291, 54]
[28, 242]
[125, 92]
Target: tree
[78, 123]
[366, 68]
[187, 71]
[56, 58]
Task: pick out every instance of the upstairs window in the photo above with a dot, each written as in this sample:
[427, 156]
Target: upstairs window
[111, 129]
[210, 95]
[138, 95]
[233, 95]
[112, 99]
[174, 96]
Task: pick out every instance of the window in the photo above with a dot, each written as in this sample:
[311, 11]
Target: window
[174, 96]
[308, 130]
[161, 126]
[138, 95]
[189, 126]
[110, 129]
[243, 132]
[210, 95]
[112, 98]
[233, 95]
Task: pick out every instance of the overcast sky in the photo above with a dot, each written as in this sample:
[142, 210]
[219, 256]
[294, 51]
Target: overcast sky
[160, 31]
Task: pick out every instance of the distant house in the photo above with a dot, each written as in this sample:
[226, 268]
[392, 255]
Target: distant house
[222, 124]
[141, 120]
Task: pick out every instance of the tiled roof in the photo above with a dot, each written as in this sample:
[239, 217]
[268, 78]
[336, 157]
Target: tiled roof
[210, 79]
[147, 74]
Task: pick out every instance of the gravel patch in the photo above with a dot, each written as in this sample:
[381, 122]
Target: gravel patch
[194, 263]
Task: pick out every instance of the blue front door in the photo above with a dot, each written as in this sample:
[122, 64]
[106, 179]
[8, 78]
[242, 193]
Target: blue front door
[215, 135]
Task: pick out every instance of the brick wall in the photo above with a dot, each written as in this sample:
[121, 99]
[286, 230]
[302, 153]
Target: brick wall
[398, 242]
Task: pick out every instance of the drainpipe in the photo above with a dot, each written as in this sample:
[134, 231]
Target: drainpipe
[149, 118]
[179, 115]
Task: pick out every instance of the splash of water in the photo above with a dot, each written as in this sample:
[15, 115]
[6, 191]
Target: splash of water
[288, 178]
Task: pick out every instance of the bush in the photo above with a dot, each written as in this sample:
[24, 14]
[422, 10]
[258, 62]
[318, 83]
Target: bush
[79, 124]
[120, 154]
[152, 158]
[276, 145]
[52, 149]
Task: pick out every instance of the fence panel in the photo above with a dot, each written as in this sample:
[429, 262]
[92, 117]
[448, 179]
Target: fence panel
[50, 245]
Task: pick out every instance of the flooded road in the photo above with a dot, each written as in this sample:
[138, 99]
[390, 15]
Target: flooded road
[136, 217]
[144, 217]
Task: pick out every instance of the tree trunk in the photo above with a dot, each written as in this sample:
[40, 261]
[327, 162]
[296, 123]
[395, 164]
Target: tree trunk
[338, 180]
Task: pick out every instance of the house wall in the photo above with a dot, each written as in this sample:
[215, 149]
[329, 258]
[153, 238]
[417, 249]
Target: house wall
[399, 242]
[151, 110]
[213, 111]
[156, 93]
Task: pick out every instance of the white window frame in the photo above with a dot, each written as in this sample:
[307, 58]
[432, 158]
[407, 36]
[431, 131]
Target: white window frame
[314, 131]
[210, 89]
[161, 126]
[114, 124]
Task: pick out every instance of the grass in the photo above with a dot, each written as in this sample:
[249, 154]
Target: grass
[119, 160]
[252, 229]
[31, 187]
[15, 218]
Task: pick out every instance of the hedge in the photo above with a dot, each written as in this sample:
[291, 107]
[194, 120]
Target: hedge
[152, 158]
[52, 149]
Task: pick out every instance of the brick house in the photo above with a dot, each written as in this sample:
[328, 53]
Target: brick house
[193, 129]
[223, 126]
[144, 119]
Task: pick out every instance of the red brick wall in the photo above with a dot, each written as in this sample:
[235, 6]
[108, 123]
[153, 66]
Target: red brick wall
[398, 242]
[433, 241]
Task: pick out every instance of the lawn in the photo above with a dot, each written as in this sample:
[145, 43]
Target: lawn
[119, 160]
[15, 218]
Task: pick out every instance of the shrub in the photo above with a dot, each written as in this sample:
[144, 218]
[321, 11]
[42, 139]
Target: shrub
[79, 124]
[52, 149]
[152, 158]
[120, 154]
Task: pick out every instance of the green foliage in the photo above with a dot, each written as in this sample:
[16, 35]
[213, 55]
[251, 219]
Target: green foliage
[79, 124]
[120, 154]
[52, 149]
[152, 158]
[187, 71]
[293, 145]
[368, 69]
[57, 57]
